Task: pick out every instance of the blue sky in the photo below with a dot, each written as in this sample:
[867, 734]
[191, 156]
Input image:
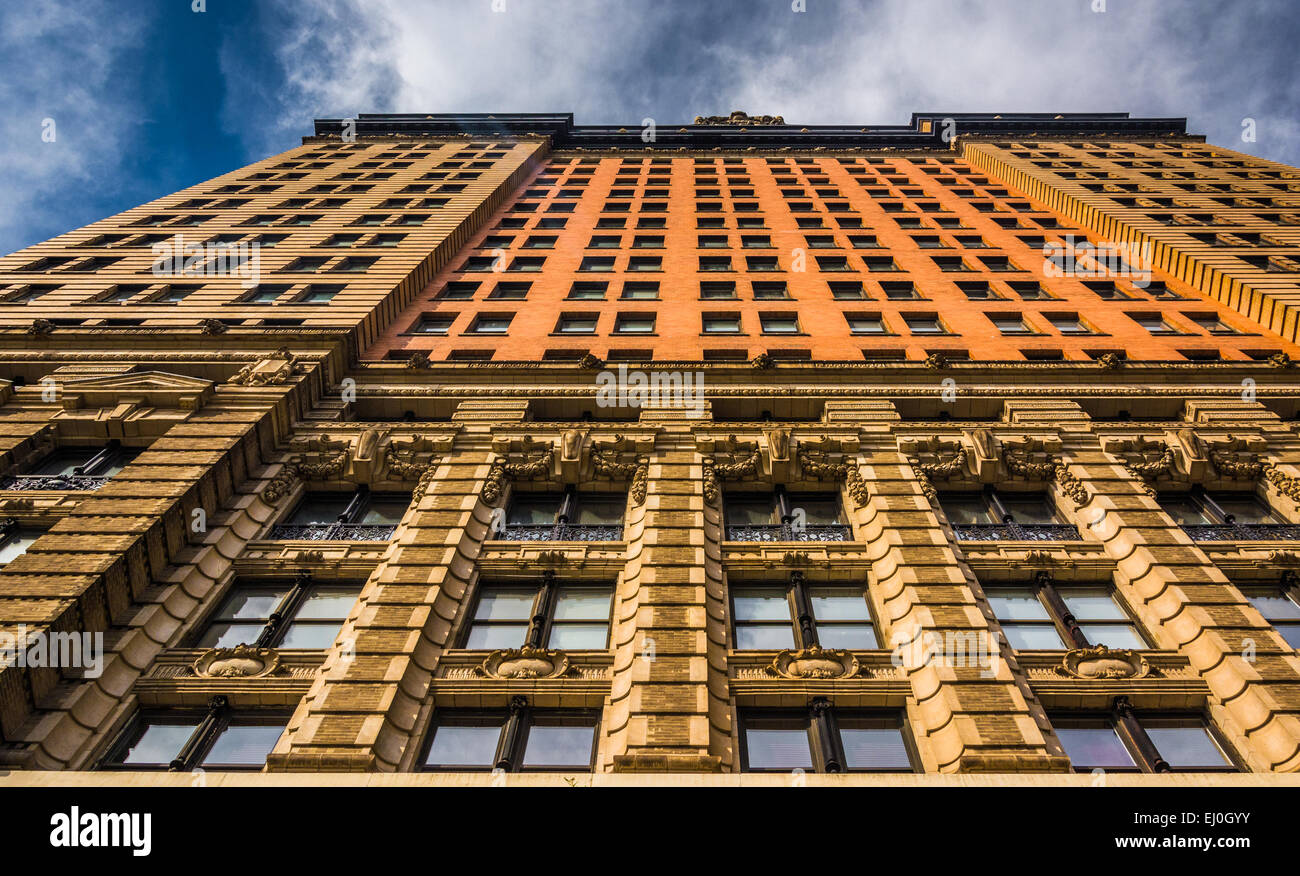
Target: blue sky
[150, 96]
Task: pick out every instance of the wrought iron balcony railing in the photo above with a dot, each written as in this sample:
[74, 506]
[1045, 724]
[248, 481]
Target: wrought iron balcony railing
[53, 482]
[332, 532]
[1016, 532]
[1243, 531]
[788, 532]
[561, 532]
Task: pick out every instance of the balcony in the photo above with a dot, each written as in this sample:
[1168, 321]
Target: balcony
[560, 532]
[789, 532]
[84, 483]
[331, 532]
[1242, 531]
[1016, 532]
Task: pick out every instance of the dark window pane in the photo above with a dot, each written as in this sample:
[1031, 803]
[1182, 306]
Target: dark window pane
[868, 747]
[770, 746]
[158, 744]
[1026, 509]
[63, 461]
[559, 745]
[967, 510]
[1187, 747]
[766, 637]
[224, 635]
[1184, 511]
[1094, 747]
[1245, 509]
[534, 510]
[244, 745]
[750, 512]
[464, 745]
[385, 511]
[320, 508]
[816, 510]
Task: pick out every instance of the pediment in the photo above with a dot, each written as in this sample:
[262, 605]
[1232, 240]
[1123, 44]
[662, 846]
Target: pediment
[160, 389]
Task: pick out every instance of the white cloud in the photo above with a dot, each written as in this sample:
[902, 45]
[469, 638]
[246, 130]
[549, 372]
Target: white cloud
[67, 53]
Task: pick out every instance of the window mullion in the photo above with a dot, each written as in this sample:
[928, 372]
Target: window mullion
[543, 605]
[203, 736]
[99, 460]
[826, 753]
[510, 746]
[273, 631]
[805, 631]
[1059, 611]
[1132, 732]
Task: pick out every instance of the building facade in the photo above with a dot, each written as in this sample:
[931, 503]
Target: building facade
[733, 451]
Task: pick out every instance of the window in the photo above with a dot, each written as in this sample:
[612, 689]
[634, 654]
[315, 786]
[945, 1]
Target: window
[568, 616]
[536, 740]
[73, 468]
[715, 263]
[576, 324]
[1124, 741]
[14, 540]
[866, 324]
[605, 241]
[510, 291]
[924, 324]
[766, 617]
[566, 516]
[823, 739]
[1068, 323]
[771, 291]
[634, 324]
[645, 263]
[718, 289]
[640, 291]
[1036, 617]
[491, 324]
[318, 293]
[779, 323]
[299, 614]
[1279, 606]
[588, 291]
[356, 516]
[900, 290]
[597, 264]
[459, 290]
[721, 323]
[184, 741]
[994, 515]
[782, 516]
[1154, 323]
[1211, 323]
[264, 294]
[761, 263]
[433, 324]
[851, 290]
[1218, 515]
[1010, 323]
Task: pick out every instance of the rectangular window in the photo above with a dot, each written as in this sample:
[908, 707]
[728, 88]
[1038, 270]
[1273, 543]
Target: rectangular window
[781, 741]
[157, 740]
[568, 617]
[309, 614]
[540, 741]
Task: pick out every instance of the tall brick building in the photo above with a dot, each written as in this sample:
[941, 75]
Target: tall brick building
[473, 443]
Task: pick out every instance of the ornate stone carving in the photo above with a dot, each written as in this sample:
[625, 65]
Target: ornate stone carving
[1281, 360]
[40, 326]
[241, 661]
[571, 444]
[740, 118]
[591, 363]
[934, 459]
[606, 462]
[742, 459]
[814, 662]
[1146, 459]
[1028, 461]
[273, 370]
[214, 327]
[936, 360]
[1110, 361]
[524, 662]
[322, 458]
[816, 460]
[419, 361]
[536, 463]
[408, 459]
[778, 444]
[282, 484]
[762, 362]
[1101, 662]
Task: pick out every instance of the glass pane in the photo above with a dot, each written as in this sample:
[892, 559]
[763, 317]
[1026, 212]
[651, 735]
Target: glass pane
[874, 748]
[1245, 508]
[1016, 604]
[1093, 603]
[1187, 747]
[328, 602]
[773, 748]
[848, 636]
[1275, 607]
[246, 745]
[1030, 637]
[1092, 747]
[221, 635]
[534, 510]
[320, 508]
[765, 637]
[838, 605]
[752, 605]
[817, 510]
[464, 746]
[599, 511]
[252, 603]
[750, 512]
[1290, 634]
[385, 511]
[503, 604]
[62, 462]
[553, 746]
[576, 637]
[159, 744]
[1184, 511]
[1029, 509]
[1113, 635]
[311, 635]
[583, 605]
[967, 510]
[490, 637]
[119, 461]
[16, 547]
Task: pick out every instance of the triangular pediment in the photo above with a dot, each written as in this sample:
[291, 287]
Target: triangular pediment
[154, 388]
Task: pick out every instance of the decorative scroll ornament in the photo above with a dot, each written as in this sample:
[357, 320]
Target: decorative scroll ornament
[814, 662]
[1021, 461]
[407, 460]
[1232, 458]
[537, 463]
[322, 458]
[742, 459]
[282, 484]
[1147, 460]
[740, 118]
[1110, 361]
[426, 480]
[241, 661]
[266, 372]
[816, 460]
[606, 462]
[525, 662]
[934, 459]
[1101, 662]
